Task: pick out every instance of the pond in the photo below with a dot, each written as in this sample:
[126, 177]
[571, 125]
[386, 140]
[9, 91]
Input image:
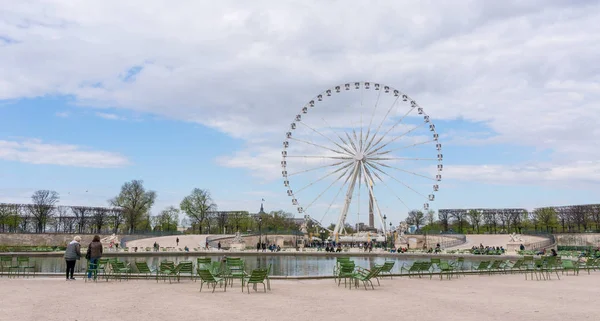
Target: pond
[282, 265]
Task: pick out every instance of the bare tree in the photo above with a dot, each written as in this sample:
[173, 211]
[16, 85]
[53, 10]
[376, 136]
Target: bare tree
[99, 218]
[580, 216]
[460, 216]
[81, 216]
[416, 218]
[198, 206]
[4, 214]
[135, 202]
[115, 216]
[430, 217]
[444, 217]
[475, 218]
[42, 207]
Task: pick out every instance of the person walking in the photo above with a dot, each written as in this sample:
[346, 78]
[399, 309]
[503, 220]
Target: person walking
[94, 253]
[72, 254]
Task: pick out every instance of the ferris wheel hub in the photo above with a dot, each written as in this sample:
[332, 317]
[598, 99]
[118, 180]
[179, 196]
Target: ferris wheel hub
[360, 156]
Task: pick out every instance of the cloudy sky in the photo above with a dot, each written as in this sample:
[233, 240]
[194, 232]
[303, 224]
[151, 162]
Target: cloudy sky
[201, 94]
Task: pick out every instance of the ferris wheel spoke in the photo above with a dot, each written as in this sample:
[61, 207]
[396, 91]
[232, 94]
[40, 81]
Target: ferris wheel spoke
[389, 130]
[351, 142]
[326, 137]
[381, 123]
[336, 196]
[394, 139]
[401, 158]
[403, 147]
[321, 157]
[320, 146]
[317, 168]
[401, 170]
[391, 190]
[373, 115]
[328, 187]
[338, 136]
[324, 177]
[397, 180]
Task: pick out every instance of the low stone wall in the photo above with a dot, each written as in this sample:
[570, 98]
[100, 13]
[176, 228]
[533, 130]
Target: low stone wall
[578, 239]
[251, 240]
[53, 239]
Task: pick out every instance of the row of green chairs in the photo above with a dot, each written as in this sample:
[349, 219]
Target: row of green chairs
[14, 268]
[351, 274]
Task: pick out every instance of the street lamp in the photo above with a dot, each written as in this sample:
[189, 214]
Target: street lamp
[260, 231]
[391, 236]
[385, 237]
[322, 237]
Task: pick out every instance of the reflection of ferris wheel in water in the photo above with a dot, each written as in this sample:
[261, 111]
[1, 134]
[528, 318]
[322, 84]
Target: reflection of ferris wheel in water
[360, 144]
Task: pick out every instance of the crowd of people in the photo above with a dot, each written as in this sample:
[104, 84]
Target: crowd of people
[488, 249]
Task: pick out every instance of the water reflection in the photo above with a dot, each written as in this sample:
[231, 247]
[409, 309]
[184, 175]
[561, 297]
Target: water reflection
[281, 265]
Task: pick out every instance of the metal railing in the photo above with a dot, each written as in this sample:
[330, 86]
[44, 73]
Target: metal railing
[549, 242]
[445, 240]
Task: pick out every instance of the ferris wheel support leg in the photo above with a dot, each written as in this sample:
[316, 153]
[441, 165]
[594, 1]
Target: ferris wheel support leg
[342, 217]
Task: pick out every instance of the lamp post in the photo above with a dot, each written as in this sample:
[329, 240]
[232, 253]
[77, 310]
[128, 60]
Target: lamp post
[260, 231]
[322, 237]
[385, 237]
[391, 236]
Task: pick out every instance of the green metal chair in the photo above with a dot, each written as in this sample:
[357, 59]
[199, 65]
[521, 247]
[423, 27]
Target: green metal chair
[365, 276]
[386, 268]
[166, 270]
[568, 265]
[5, 263]
[234, 269]
[445, 268]
[209, 278]
[144, 269]
[256, 276]
[345, 271]
[185, 267]
[412, 269]
[93, 269]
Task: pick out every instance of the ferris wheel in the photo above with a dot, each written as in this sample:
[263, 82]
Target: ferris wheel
[363, 148]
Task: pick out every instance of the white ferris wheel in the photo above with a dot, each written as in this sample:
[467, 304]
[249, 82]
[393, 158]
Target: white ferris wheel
[361, 148]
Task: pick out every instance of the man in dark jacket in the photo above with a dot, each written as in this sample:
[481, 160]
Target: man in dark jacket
[72, 254]
[94, 253]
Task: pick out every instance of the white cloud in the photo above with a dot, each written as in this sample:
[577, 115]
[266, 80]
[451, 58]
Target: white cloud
[35, 151]
[528, 174]
[63, 114]
[109, 116]
[529, 75]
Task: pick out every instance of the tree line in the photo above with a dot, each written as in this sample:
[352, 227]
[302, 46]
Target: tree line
[558, 219]
[130, 212]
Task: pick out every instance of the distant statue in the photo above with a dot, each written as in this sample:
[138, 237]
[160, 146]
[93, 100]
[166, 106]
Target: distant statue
[514, 237]
[237, 238]
[113, 239]
[403, 228]
[304, 228]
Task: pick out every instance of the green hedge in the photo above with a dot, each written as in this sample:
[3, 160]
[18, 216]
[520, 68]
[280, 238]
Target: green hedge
[575, 248]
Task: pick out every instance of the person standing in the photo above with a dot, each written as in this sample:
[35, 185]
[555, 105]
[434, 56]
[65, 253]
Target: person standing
[95, 253]
[72, 254]
[177, 241]
[219, 245]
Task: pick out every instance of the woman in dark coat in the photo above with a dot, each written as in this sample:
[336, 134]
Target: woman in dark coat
[95, 252]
